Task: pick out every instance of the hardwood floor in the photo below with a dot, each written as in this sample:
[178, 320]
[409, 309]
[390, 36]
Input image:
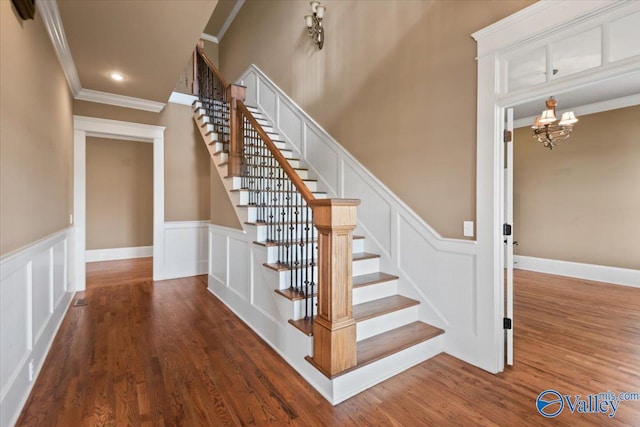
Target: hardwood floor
[169, 353]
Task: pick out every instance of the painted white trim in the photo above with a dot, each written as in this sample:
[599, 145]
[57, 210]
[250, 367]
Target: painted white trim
[182, 98]
[209, 37]
[48, 9]
[598, 273]
[19, 270]
[185, 249]
[91, 126]
[113, 254]
[119, 100]
[230, 18]
[596, 107]
[531, 27]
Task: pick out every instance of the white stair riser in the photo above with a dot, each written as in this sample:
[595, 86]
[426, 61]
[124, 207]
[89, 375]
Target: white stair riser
[366, 266]
[386, 322]
[263, 232]
[293, 310]
[254, 215]
[277, 183]
[372, 292]
[273, 252]
[273, 198]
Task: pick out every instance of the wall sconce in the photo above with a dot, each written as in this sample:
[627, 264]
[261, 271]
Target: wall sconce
[314, 23]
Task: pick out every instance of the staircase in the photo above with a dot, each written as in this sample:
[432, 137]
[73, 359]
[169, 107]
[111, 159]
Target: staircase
[386, 323]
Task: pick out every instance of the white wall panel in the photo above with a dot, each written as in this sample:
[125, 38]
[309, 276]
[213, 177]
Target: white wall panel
[59, 272]
[185, 250]
[267, 100]
[374, 211]
[29, 280]
[42, 292]
[14, 328]
[290, 125]
[322, 160]
[250, 81]
[239, 268]
[218, 257]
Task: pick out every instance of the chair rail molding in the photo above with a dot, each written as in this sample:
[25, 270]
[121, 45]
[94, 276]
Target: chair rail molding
[437, 271]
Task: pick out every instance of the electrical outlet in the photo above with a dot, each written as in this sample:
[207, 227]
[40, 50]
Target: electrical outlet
[31, 371]
[468, 228]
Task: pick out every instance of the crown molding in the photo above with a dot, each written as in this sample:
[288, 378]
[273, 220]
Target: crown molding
[119, 100]
[230, 19]
[209, 37]
[48, 9]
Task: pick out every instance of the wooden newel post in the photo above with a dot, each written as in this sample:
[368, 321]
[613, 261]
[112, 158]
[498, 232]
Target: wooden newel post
[236, 92]
[334, 330]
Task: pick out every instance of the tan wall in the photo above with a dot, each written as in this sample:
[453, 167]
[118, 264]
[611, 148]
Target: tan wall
[212, 51]
[395, 84]
[581, 201]
[119, 193]
[186, 157]
[36, 134]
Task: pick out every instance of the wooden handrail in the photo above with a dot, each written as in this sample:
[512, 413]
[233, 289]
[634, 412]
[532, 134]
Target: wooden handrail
[212, 67]
[307, 195]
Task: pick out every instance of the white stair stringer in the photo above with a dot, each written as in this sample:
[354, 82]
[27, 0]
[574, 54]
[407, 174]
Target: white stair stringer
[270, 320]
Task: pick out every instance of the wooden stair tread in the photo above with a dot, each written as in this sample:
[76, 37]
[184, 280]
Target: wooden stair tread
[371, 279]
[303, 325]
[381, 306]
[394, 341]
[291, 294]
[293, 242]
[356, 257]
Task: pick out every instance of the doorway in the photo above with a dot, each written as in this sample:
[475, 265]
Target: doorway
[103, 128]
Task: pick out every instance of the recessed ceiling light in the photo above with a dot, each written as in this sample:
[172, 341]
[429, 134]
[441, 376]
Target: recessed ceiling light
[116, 76]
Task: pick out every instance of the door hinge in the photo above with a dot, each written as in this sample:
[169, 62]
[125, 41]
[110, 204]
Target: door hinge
[507, 136]
[506, 323]
[506, 229]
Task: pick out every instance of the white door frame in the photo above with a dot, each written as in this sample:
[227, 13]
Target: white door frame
[543, 19]
[115, 129]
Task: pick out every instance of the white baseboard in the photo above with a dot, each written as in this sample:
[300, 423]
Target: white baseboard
[598, 273]
[113, 254]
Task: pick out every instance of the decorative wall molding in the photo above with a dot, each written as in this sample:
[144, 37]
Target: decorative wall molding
[437, 271]
[209, 37]
[48, 9]
[182, 98]
[596, 107]
[35, 292]
[230, 18]
[91, 126]
[119, 100]
[597, 273]
[113, 254]
[185, 249]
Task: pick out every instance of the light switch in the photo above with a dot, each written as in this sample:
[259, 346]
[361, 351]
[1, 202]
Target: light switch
[468, 228]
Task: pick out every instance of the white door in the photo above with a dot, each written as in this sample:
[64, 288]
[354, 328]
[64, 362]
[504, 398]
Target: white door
[508, 235]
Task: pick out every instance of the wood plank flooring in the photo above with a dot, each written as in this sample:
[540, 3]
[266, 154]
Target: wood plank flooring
[170, 354]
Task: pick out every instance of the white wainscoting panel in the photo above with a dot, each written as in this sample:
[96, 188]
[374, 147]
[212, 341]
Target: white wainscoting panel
[34, 296]
[113, 254]
[439, 272]
[185, 249]
[598, 273]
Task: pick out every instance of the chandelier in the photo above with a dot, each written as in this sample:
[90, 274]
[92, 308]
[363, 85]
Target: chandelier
[314, 23]
[549, 133]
